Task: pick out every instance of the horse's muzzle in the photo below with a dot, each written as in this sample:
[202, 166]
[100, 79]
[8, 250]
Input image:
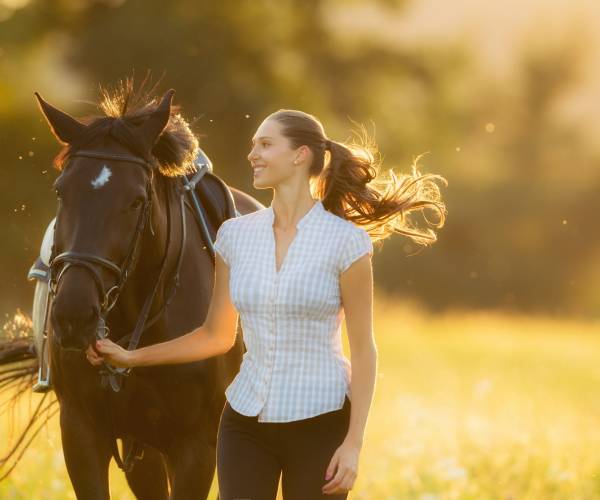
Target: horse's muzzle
[74, 332]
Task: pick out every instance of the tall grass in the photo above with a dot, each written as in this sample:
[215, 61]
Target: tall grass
[467, 406]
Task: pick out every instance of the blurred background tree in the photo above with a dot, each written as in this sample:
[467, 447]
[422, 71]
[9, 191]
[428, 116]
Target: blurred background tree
[510, 127]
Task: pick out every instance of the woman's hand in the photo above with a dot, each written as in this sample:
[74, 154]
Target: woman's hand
[106, 350]
[345, 460]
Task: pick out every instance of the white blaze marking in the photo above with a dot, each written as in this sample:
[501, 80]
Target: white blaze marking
[102, 178]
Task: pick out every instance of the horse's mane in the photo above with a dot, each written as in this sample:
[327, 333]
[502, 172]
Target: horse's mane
[124, 109]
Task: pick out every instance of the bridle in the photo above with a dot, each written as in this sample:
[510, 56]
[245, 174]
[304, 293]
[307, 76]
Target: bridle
[91, 262]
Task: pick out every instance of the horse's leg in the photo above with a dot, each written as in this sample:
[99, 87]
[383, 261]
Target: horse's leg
[148, 477]
[87, 454]
[192, 468]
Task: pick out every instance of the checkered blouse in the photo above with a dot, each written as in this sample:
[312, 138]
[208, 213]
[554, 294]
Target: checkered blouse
[294, 366]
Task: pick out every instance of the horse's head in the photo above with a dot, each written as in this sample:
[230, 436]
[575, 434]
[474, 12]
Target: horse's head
[106, 196]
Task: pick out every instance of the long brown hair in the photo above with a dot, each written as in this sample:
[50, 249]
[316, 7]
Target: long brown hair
[346, 177]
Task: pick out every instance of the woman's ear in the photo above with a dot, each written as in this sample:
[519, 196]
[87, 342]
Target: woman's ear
[302, 154]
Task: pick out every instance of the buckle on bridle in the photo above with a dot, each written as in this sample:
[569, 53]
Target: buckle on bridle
[106, 305]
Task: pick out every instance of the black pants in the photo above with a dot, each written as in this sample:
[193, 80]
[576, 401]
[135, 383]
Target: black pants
[251, 455]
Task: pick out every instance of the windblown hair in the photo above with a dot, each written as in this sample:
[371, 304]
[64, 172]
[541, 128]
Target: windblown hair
[345, 176]
[126, 108]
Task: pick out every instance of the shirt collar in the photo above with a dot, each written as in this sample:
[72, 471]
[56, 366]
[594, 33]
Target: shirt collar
[311, 214]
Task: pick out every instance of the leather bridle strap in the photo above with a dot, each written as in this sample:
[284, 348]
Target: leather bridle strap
[141, 324]
[113, 156]
[134, 336]
[91, 257]
[86, 261]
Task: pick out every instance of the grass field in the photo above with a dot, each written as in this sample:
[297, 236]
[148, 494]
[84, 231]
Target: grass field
[467, 406]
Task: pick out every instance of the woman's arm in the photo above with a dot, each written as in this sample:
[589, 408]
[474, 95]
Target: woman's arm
[356, 285]
[357, 298]
[215, 336]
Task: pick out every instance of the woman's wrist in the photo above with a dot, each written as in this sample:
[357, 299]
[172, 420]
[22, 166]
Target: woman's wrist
[132, 358]
[355, 441]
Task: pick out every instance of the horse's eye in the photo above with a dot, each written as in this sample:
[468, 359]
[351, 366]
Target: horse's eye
[137, 204]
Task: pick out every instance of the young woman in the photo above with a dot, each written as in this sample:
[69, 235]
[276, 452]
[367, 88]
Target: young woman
[293, 271]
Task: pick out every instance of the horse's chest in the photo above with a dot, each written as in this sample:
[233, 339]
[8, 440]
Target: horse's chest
[160, 412]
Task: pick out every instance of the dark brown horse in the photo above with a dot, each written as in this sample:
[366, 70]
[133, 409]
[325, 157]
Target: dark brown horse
[118, 240]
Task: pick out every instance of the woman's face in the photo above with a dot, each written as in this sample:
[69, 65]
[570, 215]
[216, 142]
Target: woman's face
[271, 157]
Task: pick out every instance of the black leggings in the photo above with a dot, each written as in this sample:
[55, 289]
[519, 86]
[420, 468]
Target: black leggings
[251, 455]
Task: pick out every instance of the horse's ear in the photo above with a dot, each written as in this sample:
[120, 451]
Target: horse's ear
[66, 128]
[156, 123]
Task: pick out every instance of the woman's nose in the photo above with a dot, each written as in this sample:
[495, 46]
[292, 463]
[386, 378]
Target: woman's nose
[252, 155]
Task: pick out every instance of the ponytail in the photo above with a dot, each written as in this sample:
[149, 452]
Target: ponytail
[350, 185]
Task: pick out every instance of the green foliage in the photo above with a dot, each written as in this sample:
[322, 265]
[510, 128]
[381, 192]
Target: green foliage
[522, 180]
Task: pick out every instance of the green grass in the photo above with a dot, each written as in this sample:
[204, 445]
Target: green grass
[467, 406]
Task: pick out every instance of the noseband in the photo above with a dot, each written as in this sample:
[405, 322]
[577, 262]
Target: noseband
[92, 262]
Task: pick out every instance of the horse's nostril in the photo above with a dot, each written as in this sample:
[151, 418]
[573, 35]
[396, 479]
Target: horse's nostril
[75, 328]
[77, 321]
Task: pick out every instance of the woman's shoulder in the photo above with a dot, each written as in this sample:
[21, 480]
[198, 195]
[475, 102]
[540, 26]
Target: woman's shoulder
[245, 220]
[344, 227]
[234, 231]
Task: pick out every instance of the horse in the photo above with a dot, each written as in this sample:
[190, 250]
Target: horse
[129, 261]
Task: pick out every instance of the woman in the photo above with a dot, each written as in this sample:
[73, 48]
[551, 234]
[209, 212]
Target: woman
[290, 267]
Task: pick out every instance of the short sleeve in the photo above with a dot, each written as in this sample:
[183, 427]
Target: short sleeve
[222, 242]
[358, 244]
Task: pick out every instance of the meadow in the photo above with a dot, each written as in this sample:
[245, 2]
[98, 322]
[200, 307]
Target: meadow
[467, 406]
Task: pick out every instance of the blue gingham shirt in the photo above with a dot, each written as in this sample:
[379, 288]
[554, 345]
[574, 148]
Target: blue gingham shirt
[294, 366]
